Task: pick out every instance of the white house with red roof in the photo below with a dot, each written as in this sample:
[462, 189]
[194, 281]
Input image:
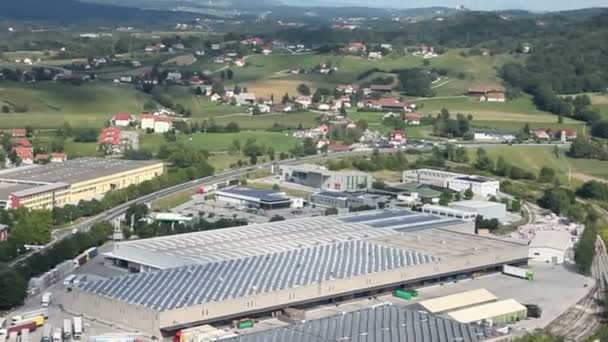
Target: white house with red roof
[542, 135]
[398, 138]
[23, 142]
[158, 124]
[26, 154]
[18, 132]
[240, 62]
[122, 119]
[356, 47]
[412, 119]
[58, 157]
[568, 134]
[267, 50]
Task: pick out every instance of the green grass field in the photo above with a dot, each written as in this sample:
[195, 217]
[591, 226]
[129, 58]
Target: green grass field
[221, 141]
[263, 122]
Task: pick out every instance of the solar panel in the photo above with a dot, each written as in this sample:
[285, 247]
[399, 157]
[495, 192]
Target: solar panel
[376, 216]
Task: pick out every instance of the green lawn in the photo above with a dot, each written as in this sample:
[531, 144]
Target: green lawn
[263, 122]
[50, 104]
[221, 141]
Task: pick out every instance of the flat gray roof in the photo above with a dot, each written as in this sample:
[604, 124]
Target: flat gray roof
[385, 323]
[214, 282]
[7, 189]
[73, 170]
[261, 195]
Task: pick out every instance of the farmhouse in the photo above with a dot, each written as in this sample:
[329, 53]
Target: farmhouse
[347, 89]
[122, 119]
[304, 101]
[387, 104]
[23, 142]
[381, 88]
[494, 96]
[542, 135]
[412, 119]
[26, 154]
[158, 124]
[483, 90]
[357, 47]
[245, 99]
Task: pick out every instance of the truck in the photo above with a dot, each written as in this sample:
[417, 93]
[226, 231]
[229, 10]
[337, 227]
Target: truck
[77, 333]
[57, 335]
[113, 338]
[25, 335]
[38, 320]
[518, 272]
[69, 279]
[67, 329]
[47, 333]
[243, 323]
[46, 299]
[30, 314]
[29, 325]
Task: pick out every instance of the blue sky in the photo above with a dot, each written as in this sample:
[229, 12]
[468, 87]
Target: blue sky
[534, 5]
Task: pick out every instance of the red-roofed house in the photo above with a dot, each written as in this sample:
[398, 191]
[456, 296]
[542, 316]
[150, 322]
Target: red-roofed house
[26, 154]
[122, 119]
[195, 80]
[255, 41]
[110, 140]
[412, 119]
[267, 50]
[347, 88]
[542, 135]
[41, 158]
[568, 134]
[398, 138]
[23, 142]
[494, 96]
[357, 47]
[159, 124]
[18, 132]
[338, 148]
[58, 157]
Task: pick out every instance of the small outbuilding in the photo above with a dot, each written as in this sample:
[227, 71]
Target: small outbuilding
[502, 312]
[550, 246]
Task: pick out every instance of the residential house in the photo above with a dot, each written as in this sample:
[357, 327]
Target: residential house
[264, 108]
[387, 104]
[154, 48]
[568, 134]
[387, 47]
[174, 76]
[245, 99]
[122, 119]
[255, 41]
[493, 97]
[323, 106]
[158, 124]
[493, 136]
[333, 148]
[304, 101]
[26, 154]
[357, 47]
[381, 88]
[215, 47]
[215, 97]
[542, 135]
[58, 157]
[483, 90]
[374, 55]
[267, 50]
[240, 62]
[18, 132]
[195, 80]
[412, 119]
[398, 138]
[347, 89]
[323, 128]
[323, 141]
[110, 141]
[206, 89]
[22, 142]
[125, 79]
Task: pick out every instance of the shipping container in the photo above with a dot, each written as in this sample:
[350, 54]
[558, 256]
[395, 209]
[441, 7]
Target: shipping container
[402, 294]
[518, 272]
[244, 324]
[412, 292]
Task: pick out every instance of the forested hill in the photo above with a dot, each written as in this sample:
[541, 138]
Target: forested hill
[72, 11]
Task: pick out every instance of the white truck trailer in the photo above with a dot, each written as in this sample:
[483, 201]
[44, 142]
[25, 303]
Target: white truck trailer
[518, 272]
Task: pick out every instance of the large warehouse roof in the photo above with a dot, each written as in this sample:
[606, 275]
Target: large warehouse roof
[228, 279]
[458, 300]
[486, 311]
[380, 324]
[72, 171]
[231, 243]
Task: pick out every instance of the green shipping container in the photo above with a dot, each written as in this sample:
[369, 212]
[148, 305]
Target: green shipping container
[402, 294]
[244, 325]
[412, 292]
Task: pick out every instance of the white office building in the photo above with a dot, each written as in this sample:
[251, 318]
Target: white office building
[488, 209]
[448, 212]
[481, 186]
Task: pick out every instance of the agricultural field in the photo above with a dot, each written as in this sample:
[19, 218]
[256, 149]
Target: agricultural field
[221, 141]
[264, 122]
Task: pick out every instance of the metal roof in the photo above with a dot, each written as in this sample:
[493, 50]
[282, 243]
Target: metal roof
[458, 300]
[385, 323]
[262, 195]
[191, 285]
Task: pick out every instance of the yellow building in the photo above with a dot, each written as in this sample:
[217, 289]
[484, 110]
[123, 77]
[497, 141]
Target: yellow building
[58, 184]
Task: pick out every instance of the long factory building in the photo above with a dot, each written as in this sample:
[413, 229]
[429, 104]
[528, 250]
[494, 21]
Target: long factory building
[57, 184]
[249, 271]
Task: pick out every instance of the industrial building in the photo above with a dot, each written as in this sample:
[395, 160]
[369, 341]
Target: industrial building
[444, 211]
[481, 186]
[344, 200]
[487, 209]
[502, 312]
[318, 177]
[457, 301]
[550, 246]
[57, 184]
[385, 323]
[253, 198]
[247, 271]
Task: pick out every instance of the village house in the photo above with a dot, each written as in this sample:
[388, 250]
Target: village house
[323, 141]
[493, 97]
[357, 47]
[174, 76]
[483, 90]
[492, 136]
[267, 50]
[240, 62]
[58, 157]
[22, 142]
[215, 97]
[347, 89]
[245, 99]
[195, 80]
[122, 119]
[334, 148]
[255, 41]
[412, 119]
[215, 47]
[323, 106]
[304, 101]
[323, 129]
[387, 47]
[158, 124]
[387, 104]
[18, 132]
[542, 135]
[381, 88]
[568, 134]
[26, 154]
[374, 55]
[398, 138]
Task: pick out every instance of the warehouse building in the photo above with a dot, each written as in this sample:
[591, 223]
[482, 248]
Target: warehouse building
[502, 312]
[57, 184]
[444, 211]
[458, 301]
[550, 246]
[344, 200]
[489, 210]
[318, 177]
[385, 323]
[481, 186]
[253, 198]
[250, 271]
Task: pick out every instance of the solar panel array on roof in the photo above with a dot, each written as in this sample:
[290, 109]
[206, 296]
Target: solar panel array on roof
[380, 324]
[213, 282]
[406, 221]
[376, 216]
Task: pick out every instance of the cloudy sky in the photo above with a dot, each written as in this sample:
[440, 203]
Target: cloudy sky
[534, 5]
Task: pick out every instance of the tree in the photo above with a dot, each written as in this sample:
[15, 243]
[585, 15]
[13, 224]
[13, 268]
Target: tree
[484, 162]
[503, 169]
[303, 89]
[218, 88]
[136, 212]
[468, 194]
[13, 289]
[33, 227]
[270, 153]
[235, 146]
[445, 198]
[229, 74]
[546, 175]
[276, 218]
[558, 200]
[331, 211]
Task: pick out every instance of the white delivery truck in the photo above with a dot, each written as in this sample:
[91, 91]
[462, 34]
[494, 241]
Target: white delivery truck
[57, 335]
[67, 329]
[518, 272]
[47, 297]
[77, 332]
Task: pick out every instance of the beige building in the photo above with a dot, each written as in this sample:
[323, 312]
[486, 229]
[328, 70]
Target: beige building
[502, 312]
[58, 184]
[225, 274]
